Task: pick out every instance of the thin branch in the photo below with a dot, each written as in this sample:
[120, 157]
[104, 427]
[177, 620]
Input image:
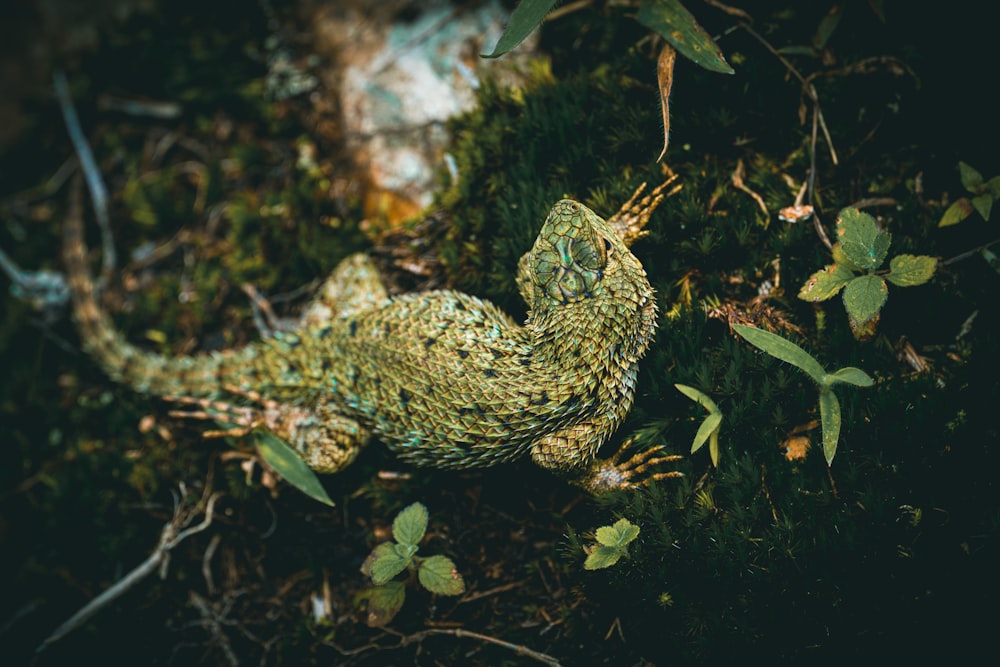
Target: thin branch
[169, 538]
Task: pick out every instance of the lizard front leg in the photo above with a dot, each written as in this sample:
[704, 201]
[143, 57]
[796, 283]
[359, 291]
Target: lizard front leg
[573, 454]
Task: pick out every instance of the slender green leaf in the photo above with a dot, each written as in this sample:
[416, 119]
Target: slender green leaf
[827, 26]
[864, 296]
[713, 447]
[410, 525]
[780, 348]
[825, 283]
[698, 397]
[526, 17]
[439, 575]
[287, 462]
[971, 179]
[797, 50]
[993, 186]
[708, 427]
[983, 205]
[672, 21]
[384, 602]
[388, 562]
[861, 240]
[910, 270]
[602, 557]
[959, 210]
[850, 375]
[829, 416]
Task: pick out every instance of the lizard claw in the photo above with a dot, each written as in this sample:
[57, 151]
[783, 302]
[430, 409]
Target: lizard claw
[243, 419]
[616, 474]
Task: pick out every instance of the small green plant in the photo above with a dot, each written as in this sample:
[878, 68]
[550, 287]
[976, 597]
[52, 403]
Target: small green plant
[709, 429]
[984, 194]
[860, 251]
[829, 406]
[435, 573]
[612, 544]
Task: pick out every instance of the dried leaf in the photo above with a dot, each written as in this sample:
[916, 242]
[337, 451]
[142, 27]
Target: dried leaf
[665, 77]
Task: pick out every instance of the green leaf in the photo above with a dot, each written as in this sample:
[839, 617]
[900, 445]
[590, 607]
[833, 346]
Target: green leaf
[983, 204]
[439, 575]
[971, 179]
[621, 533]
[861, 240]
[602, 557]
[829, 416]
[825, 283]
[910, 270]
[780, 348]
[841, 259]
[410, 525]
[827, 26]
[526, 17]
[850, 375]
[698, 397]
[864, 297]
[287, 462]
[993, 186]
[384, 602]
[708, 427]
[959, 210]
[713, 447]
[389, 561]
[675, 24]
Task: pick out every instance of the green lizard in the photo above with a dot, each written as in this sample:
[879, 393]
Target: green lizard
[445, 379]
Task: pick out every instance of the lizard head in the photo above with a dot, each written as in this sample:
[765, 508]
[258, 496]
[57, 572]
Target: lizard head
[577, 256]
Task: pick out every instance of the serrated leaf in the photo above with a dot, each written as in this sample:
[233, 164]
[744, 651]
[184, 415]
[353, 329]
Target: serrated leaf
[388, 563]
[850, 375]
[959, 210]
[840, 259]
[971, 179]
[910, 270]
[829, 416]
[983, 204]
[708, 427]
[861, 240]
[782, 349]
[439, 575]
[618, 535]
[825, 283]
[384, 602]
[287, 462]
[698, 397]
[601, 557]
[863, 331]
[526, 17]
[672, 21]
[410, 525]
[864, 296]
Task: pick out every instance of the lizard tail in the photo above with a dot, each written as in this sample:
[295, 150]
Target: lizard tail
[145, 372]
